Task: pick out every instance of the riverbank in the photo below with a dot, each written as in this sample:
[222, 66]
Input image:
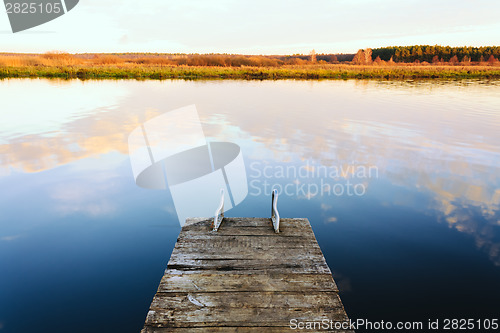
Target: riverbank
[304, 72]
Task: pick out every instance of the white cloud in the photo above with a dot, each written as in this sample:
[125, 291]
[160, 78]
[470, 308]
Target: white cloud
[42, 113]
[90, 198]
[325, 207]
[259, 26]
[9, 239]
[331, 220]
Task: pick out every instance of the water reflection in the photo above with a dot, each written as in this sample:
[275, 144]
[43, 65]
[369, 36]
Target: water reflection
[438, 139]
[435, 146]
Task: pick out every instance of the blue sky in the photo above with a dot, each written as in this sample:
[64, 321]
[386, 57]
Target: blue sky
[258, 26]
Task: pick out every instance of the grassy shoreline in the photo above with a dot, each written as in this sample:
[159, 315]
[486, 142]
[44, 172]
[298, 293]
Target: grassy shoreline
[309, 72]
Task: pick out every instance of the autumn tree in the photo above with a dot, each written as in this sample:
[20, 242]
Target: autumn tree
[378, 61]
[492, 59]
[453, 60]
[363, 57]
[313, 56]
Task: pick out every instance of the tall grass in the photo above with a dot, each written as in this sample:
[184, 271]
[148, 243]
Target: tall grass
[149, 66]
[47, 59]
[107, 60]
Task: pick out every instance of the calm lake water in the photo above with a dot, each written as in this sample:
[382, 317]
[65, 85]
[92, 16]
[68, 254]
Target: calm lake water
[413, 235]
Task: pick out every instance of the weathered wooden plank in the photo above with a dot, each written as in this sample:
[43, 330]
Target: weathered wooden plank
[246, 222]
[282, 254]
[271, 241]
[251, 227]
[255, 329]
[265, 258]
[261, 271]
[241, 317]
[246, 264]
[249, 231]
[278, 282]
[257, 299]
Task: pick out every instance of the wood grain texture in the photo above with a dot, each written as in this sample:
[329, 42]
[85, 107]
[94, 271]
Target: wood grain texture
[275, 282]
[244, 278]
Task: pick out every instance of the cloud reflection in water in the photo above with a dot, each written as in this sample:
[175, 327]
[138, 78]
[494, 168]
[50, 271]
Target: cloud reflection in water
[439, 140]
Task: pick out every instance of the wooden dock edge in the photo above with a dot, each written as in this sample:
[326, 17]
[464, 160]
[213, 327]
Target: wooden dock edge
[245, 278]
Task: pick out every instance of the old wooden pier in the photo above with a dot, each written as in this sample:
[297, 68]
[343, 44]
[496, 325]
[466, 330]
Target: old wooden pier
[244, 278]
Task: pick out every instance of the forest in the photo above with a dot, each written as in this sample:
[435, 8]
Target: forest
[437, 53]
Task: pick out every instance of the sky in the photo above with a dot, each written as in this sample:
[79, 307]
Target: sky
[258, 26]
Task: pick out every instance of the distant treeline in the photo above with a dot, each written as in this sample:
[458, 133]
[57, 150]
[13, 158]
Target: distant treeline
[329, 58]
[437, 53]
[168, 59]
[385, 56]
[233, 60]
